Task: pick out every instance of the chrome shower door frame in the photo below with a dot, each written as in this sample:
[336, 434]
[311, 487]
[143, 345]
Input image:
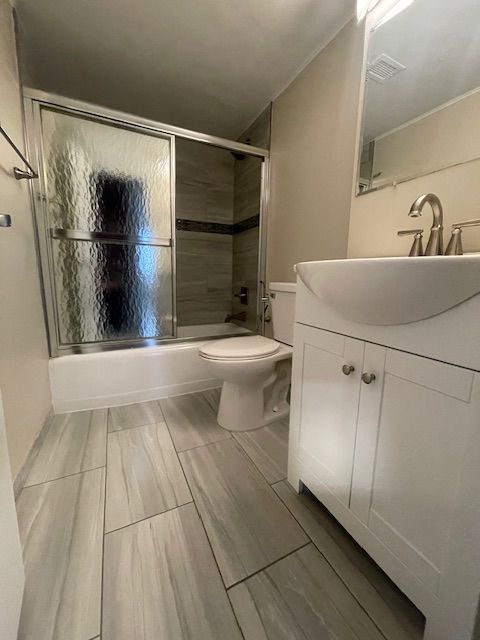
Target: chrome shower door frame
[34, 100]
[33, 108]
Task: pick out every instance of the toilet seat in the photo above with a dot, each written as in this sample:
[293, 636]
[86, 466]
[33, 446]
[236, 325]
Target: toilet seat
[243, 348]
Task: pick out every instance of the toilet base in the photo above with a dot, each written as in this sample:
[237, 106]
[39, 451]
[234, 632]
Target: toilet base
[245, 407]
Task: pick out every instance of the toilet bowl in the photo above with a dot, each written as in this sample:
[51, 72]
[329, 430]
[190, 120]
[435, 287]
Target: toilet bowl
[255, 370]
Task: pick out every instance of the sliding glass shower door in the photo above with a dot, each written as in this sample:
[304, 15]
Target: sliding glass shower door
[107, 219]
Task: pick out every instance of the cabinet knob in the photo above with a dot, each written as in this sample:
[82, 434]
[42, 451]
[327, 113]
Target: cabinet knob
[368, 378]
[347, 369]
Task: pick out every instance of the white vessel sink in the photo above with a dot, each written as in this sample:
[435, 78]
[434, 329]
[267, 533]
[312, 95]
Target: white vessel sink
[388, 291]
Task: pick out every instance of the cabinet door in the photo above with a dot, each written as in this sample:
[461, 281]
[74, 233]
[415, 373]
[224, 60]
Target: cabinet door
[427, 414]
[326, 405]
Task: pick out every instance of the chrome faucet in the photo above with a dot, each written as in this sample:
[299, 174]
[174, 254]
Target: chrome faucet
[435, 241]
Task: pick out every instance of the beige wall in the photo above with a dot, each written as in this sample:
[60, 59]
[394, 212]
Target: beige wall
[313, 137]
[23, 346]
[376, 217]
[445, 137]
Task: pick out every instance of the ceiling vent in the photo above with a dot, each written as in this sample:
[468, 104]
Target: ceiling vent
[383, 68]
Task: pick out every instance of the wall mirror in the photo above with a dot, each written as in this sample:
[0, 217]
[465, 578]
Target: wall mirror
[421, 109]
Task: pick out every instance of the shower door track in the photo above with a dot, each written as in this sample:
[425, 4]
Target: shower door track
[33, 101]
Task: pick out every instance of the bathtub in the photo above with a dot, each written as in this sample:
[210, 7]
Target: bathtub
[113, 378]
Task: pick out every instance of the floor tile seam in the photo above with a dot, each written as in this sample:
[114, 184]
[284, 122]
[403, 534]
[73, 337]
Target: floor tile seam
[153, 515]
[206, 444]
[200, 517]
[102, 579]
[68, 475]
[270, 564]
[210, 545]
[217, 566]
[256, 466]
[275, 495]
[136, 426]
[329, 562]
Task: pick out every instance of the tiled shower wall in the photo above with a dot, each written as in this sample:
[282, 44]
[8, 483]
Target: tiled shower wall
[217, 218]
[246, 216]
[204, 219]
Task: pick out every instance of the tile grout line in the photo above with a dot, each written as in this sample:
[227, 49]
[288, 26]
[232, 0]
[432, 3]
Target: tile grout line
[255, 464]
[328, 561]
[270, 564]
[200, 446]
[69, 475]
[208, 541]
[136, 426]
[263, 479]
[197, 446]
[153, 515]
[156, 401]
[309, 540]
[102, 580]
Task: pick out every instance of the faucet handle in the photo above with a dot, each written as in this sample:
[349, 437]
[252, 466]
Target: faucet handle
[417, 246]
[466, 223]
[454, 247]
[409, 232]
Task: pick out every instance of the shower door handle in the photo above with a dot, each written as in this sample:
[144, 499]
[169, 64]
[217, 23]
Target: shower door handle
[108, 238]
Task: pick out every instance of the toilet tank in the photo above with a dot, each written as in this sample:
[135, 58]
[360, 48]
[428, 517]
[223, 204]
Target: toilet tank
[282, 299]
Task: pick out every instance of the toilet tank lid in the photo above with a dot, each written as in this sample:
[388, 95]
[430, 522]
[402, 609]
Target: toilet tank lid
[289, 287]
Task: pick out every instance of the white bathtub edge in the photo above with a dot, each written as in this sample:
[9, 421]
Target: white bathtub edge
[115, 378]
[142, 395]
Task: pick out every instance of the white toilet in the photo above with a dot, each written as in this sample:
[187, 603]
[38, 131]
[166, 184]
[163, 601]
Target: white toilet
[255, 370]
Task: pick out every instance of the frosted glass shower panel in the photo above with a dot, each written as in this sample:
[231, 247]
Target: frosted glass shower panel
[108, 215]
[100, 177]
[112, 291]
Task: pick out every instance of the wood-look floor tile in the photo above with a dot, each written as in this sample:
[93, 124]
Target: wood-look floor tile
[144, 476]
[161, 582]
[61, 528]
[212, 396]
[300, 598]
[246, 523]
[268, 449]
[393, 613]
[134, 415]
[191, 421]
[73, 442]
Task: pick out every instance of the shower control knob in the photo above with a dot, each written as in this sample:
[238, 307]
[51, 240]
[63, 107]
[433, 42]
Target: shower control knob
[347, 369]
[368, 378]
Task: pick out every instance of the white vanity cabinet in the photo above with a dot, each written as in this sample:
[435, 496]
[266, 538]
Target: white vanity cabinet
[389, 458]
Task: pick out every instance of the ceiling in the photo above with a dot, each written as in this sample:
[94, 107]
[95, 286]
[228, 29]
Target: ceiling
[207, 65]
[439, 43]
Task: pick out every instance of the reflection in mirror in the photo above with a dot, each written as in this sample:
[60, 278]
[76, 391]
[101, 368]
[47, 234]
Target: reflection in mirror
[422, 98]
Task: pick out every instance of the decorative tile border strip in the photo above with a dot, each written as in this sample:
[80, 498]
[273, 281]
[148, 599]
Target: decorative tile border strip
[217, 227]
[245, 225]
